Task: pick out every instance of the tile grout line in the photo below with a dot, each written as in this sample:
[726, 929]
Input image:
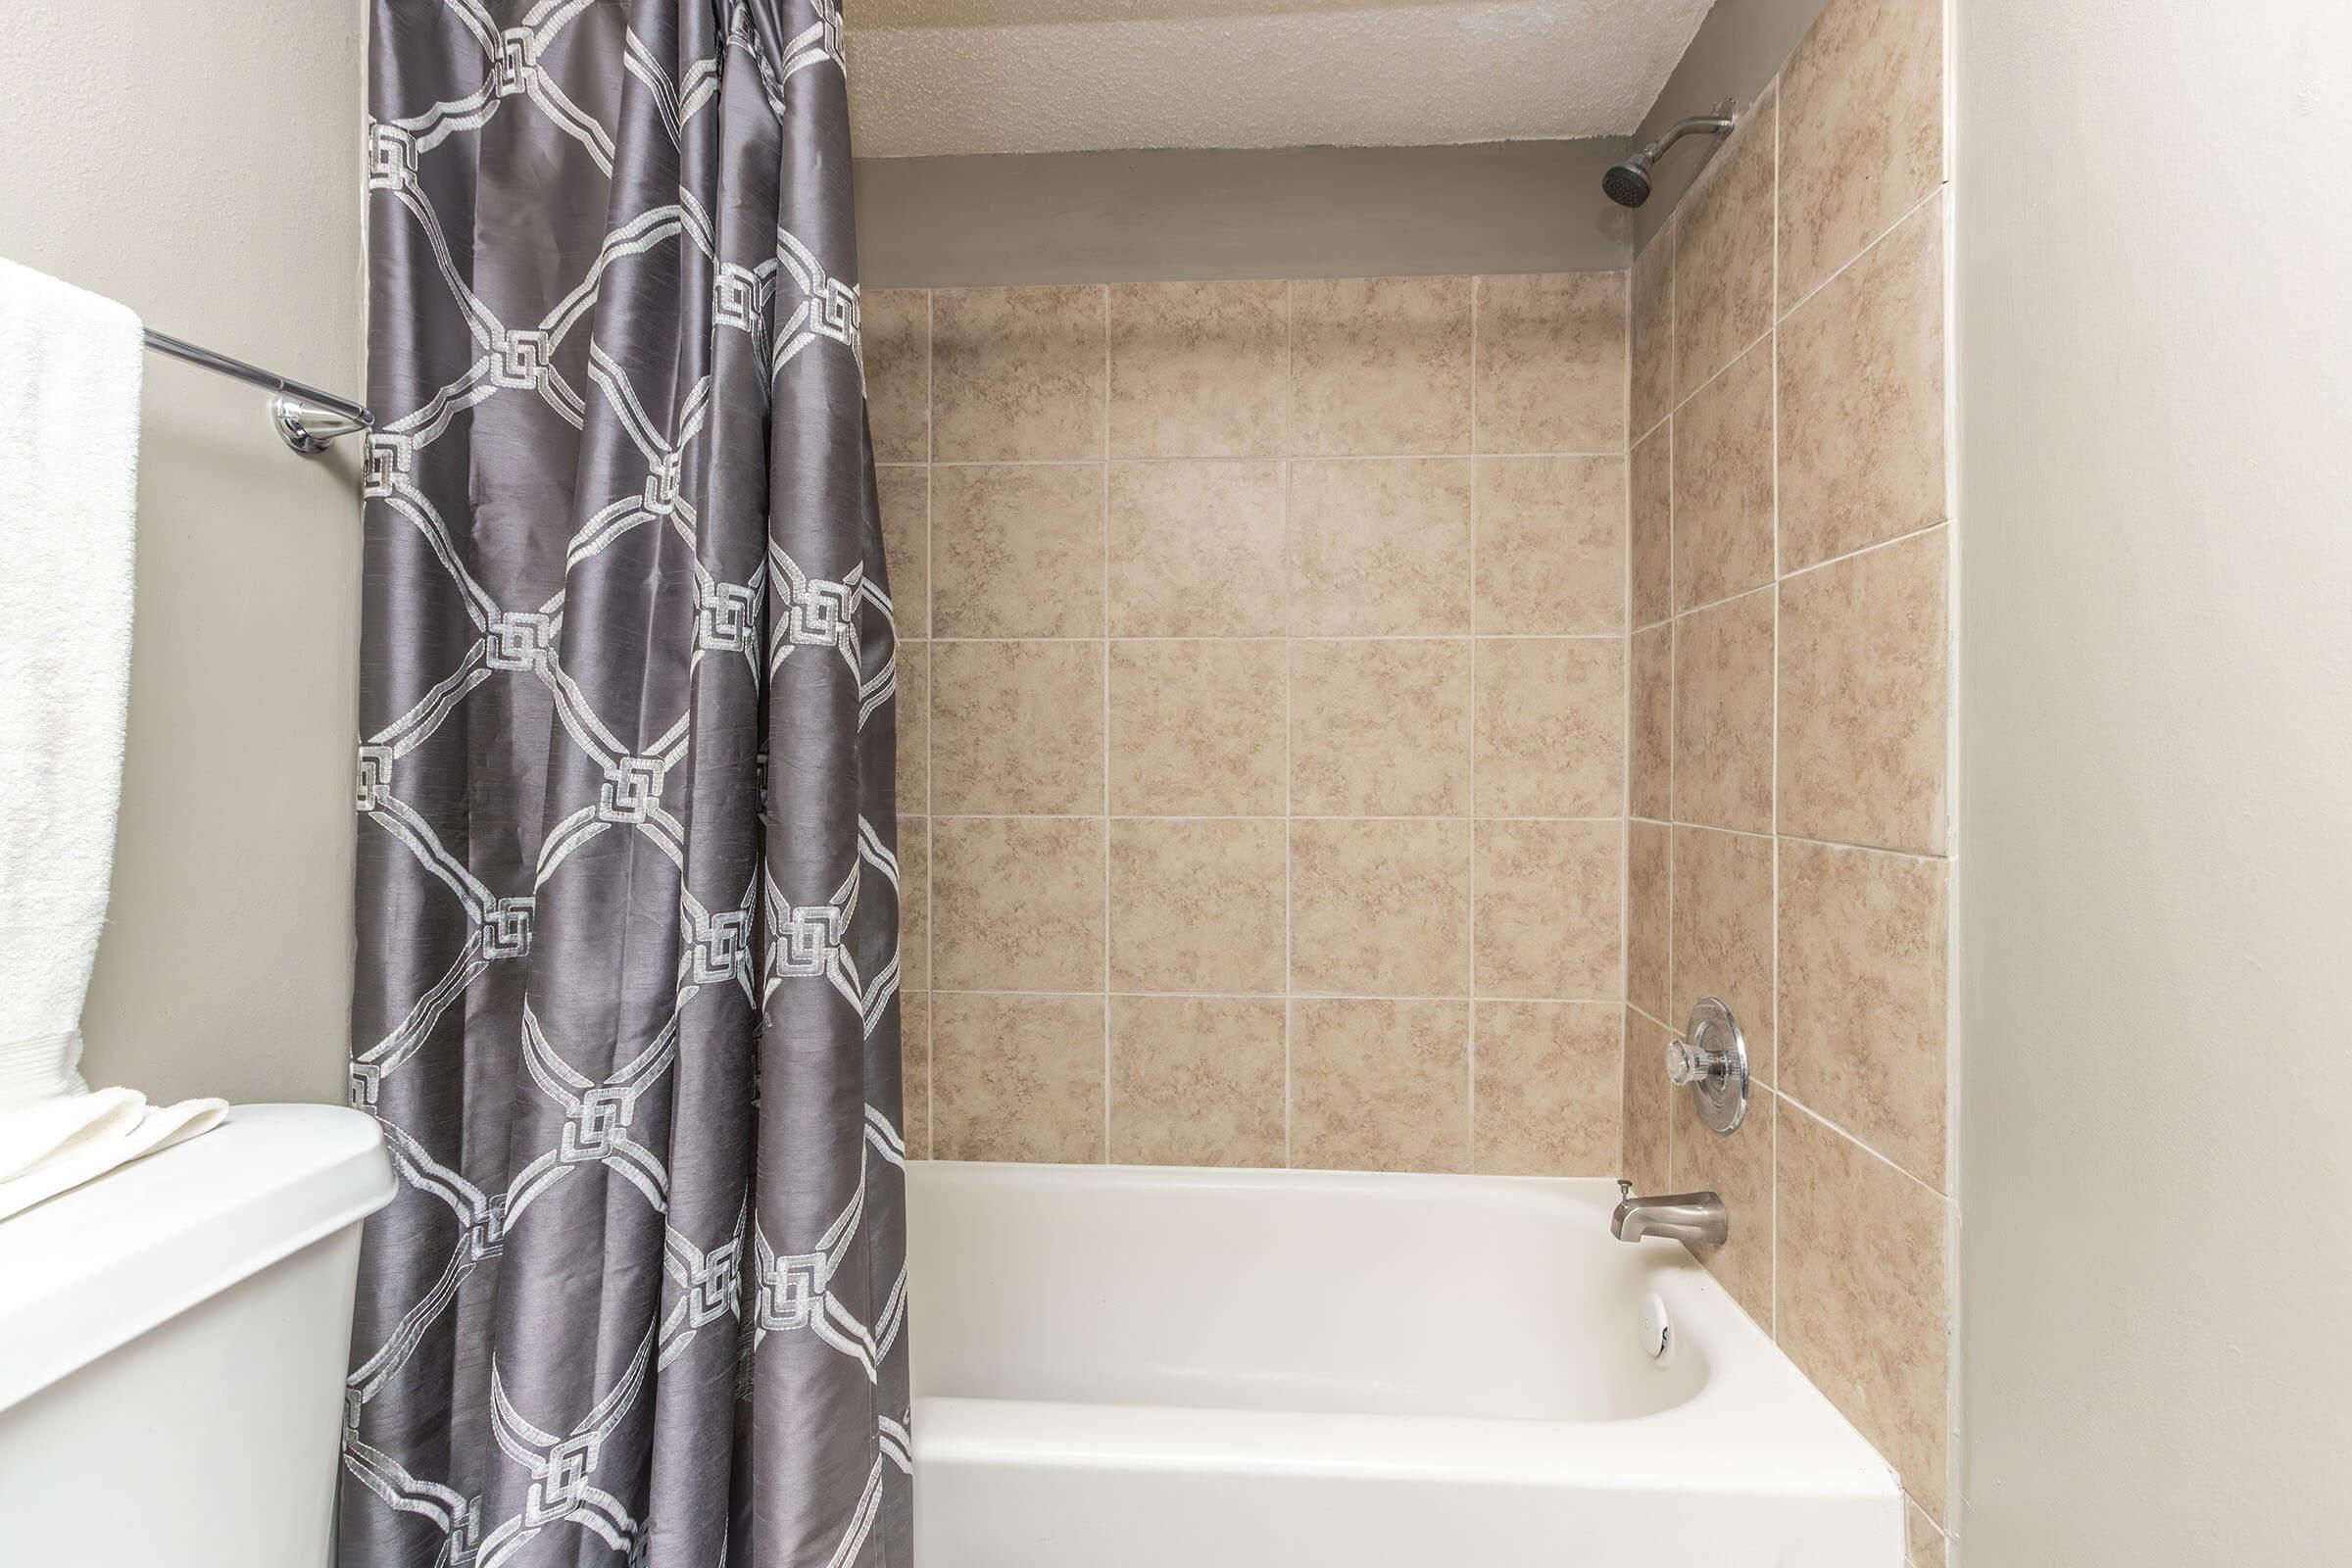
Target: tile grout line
[1161, 459]
[1674, 650]
[1313, 816]
[1279, 995]
[1102, 535]
[1855, 1139]
[1872, 244]
[1873, 547]
[930, 845]
[1470, 1063]
[1644, 1013]
[1333, 637]
[1876, 545]
[1927, 856]
[1779, 1073]
[1288, 392]
[1747, 347]
[1625, 899]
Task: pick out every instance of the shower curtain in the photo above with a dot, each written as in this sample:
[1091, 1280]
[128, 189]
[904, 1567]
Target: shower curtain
[627, 1000]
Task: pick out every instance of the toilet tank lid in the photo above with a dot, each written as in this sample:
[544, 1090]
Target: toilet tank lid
[95, 1267]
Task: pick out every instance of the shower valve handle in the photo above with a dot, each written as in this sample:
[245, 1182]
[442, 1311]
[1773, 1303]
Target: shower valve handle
[1687, 1064]
[1709, 1057]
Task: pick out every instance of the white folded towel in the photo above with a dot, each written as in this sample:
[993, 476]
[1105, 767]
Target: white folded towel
[70, 365]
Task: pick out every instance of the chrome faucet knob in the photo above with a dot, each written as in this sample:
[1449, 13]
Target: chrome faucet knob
[1711, 1060]
[1682, 1067]
[1687, 1064]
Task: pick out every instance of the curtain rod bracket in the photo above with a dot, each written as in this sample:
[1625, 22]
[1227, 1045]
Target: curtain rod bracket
[308, 428]
[307, 419]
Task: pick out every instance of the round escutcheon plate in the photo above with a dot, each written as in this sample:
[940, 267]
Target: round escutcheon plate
[1711, 1059]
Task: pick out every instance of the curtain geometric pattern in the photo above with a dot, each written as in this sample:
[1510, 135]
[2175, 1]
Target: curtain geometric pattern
[626, 1003]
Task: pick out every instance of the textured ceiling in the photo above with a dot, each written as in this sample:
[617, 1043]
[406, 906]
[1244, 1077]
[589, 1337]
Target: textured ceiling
[933, 77]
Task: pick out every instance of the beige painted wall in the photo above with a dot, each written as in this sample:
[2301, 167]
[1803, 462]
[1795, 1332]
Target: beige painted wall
[1283, 211]
[2156, 586]
[196, 161]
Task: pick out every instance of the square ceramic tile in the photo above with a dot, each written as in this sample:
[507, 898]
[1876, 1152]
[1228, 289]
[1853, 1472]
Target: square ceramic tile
[1196, 905]
[1549, 1088]
[1651, 526]
[1862, 1292]
[1016, 727]
[1738, 1166]
[1552, 540]
[1016, 904]
[1924, 1546]
[1723, 492]
[1862, 400]
[1651, 321]
[1017, 551]
[1198, 369]
[1381, 907]
[1197, 1081]
[1379, 727]
[1863, 940]
[1017, 1078]
[914, 1072]
[1380, 366]
[1861, 131]
[1723, 668]
[1197, 728]
[914, 903]
[1019, 374]
[1647, 1105]
[1380, 547]
[913, 732]
[1549, 903]
[1379, 1084]
[904, 495]
[1195, 549]
[1650, 769]
[1863, 685]
[1550, 726]
[893, 328]
[1550, 373]
[1723, 945]
[1723, 253]
[1649, 920]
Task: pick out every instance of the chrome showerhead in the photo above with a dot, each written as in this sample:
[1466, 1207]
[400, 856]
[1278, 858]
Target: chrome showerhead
[1627, 184]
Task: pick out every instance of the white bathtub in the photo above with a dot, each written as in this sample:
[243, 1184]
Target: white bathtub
[1124, 1367]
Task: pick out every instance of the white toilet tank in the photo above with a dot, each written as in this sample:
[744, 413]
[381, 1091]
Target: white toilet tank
[173, 1341]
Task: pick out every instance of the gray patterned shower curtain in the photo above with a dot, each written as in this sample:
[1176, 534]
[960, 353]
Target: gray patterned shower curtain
[626, 1002]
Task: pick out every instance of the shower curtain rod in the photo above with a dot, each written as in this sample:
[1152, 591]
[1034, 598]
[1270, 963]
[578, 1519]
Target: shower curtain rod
[306, 417]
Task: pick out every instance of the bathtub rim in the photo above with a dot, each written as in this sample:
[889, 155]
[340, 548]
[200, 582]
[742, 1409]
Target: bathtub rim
[1756, 1425]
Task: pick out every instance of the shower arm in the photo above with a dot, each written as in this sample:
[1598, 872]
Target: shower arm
[1718, 124]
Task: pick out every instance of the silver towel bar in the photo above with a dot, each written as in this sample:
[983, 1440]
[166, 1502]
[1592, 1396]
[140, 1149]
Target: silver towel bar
[306, 417]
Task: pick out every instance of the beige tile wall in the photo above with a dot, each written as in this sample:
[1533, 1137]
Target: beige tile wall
[1261, 719]
[1789, 848]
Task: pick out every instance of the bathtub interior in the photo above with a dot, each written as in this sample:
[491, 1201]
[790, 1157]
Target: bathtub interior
[1306, 1292]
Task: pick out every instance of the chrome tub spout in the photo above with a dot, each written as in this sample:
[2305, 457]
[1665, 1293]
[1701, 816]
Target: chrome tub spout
[1677, 1216]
